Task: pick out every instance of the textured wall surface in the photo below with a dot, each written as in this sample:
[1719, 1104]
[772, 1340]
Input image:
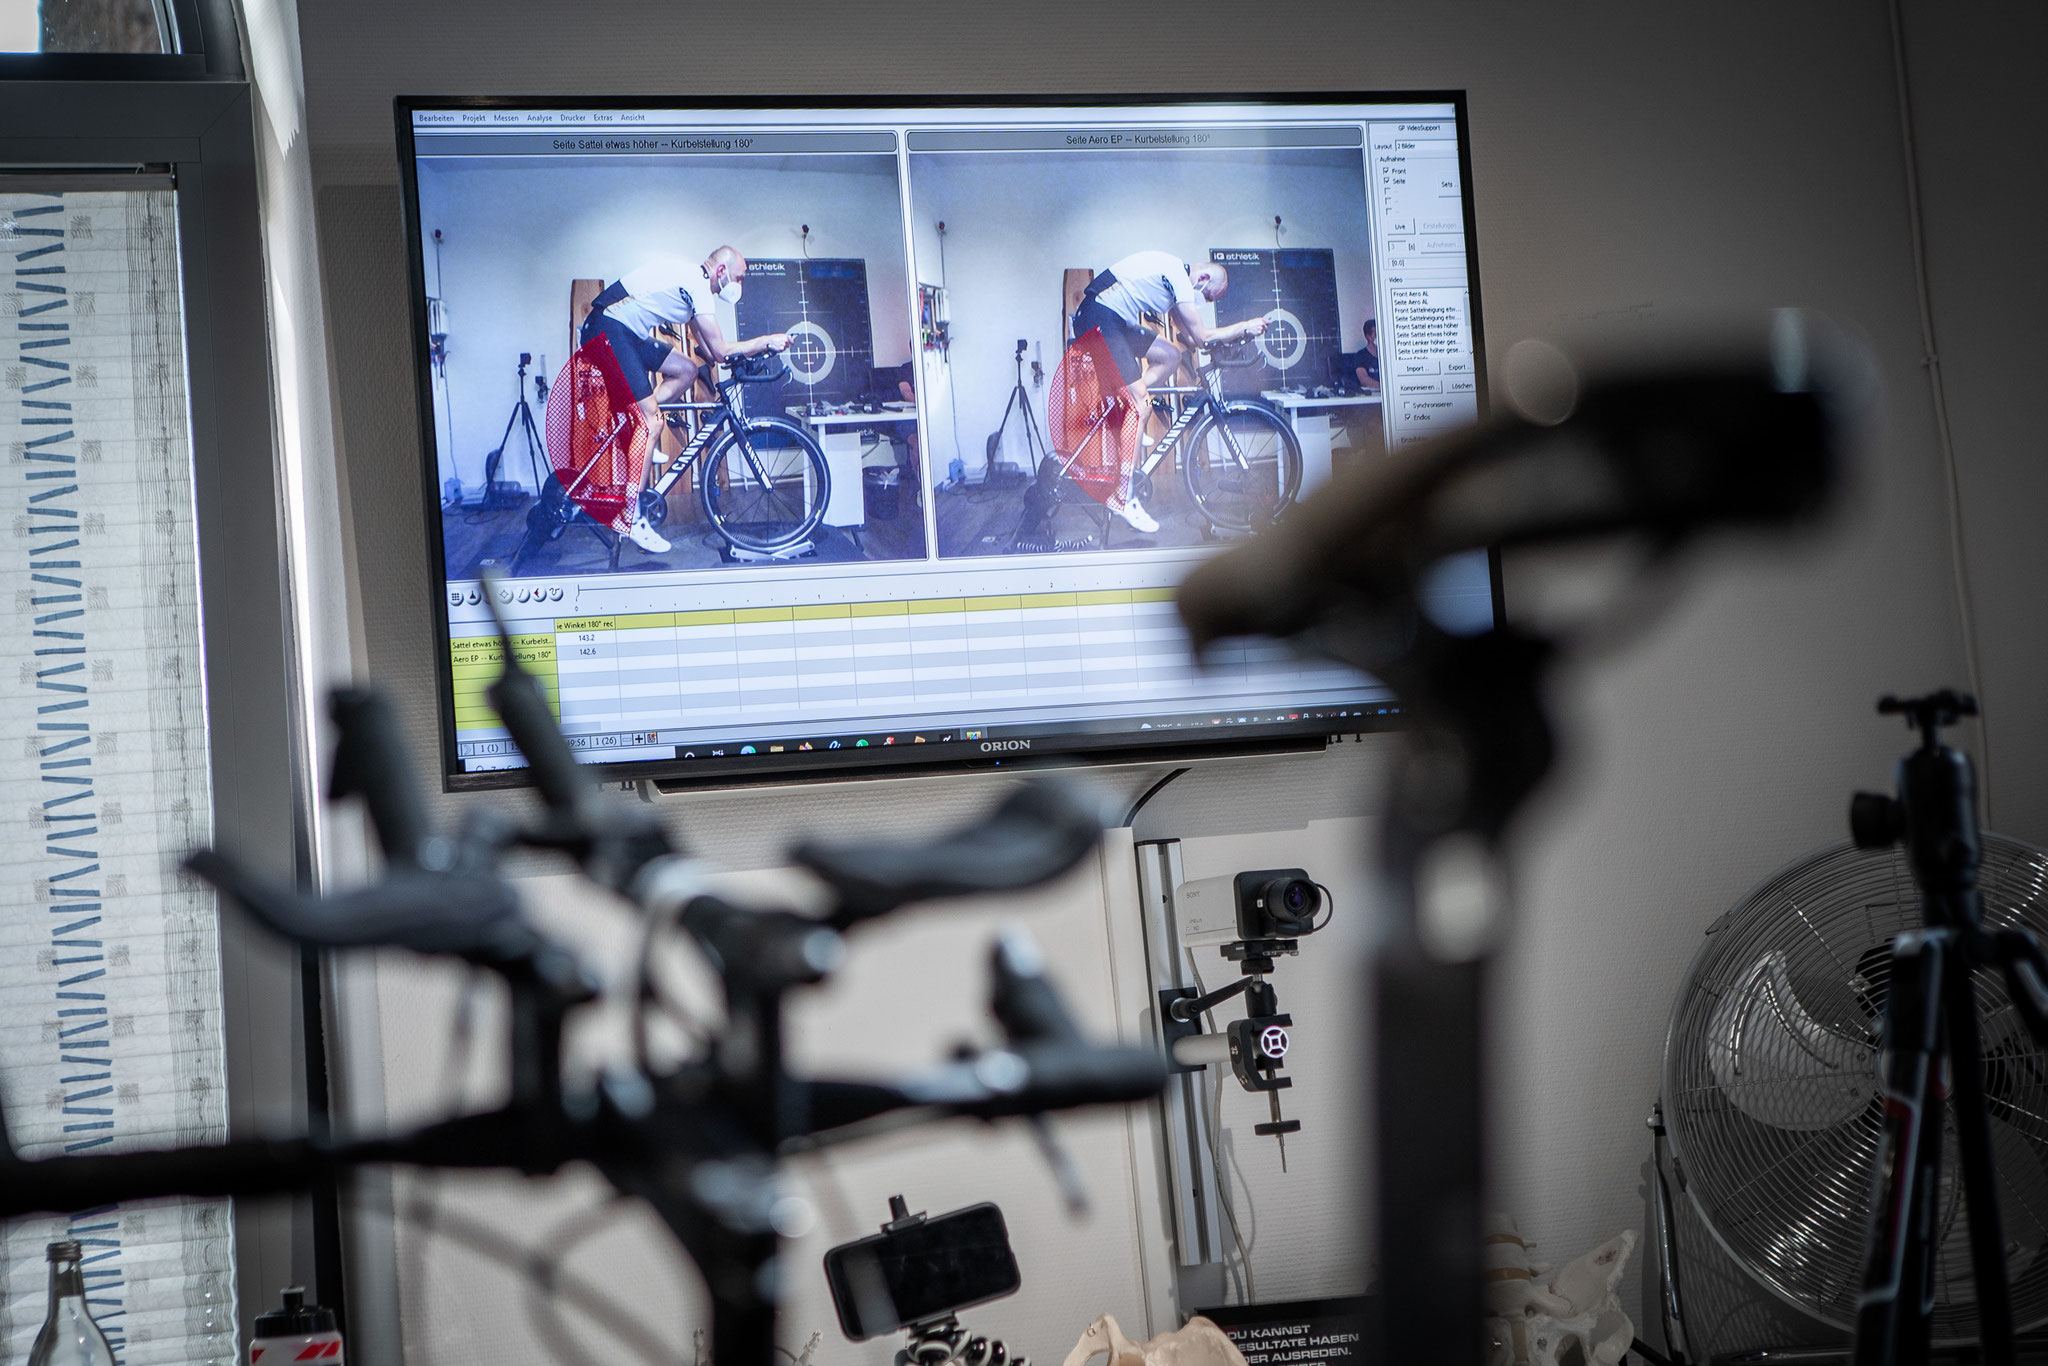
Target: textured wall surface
[1634, 169]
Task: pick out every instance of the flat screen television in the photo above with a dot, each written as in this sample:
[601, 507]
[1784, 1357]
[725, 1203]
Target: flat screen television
[829, 438]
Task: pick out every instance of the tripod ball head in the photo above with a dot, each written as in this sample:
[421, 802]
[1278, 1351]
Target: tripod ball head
[1934, 811]
[1928, 714]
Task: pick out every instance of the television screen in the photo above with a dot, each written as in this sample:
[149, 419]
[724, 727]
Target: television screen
[810, 440]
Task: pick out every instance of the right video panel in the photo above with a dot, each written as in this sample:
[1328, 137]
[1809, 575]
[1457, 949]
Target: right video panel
[1152, 338]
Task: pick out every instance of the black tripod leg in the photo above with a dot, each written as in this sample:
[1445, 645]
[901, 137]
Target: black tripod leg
[1894, 1313]
[1979, 1166]
[536, 449]
[1035, 444]
[995, 438]
[495, 461]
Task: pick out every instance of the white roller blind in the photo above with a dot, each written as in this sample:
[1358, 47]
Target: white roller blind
[110, 999]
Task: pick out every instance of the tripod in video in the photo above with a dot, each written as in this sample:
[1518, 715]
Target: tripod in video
[1035, 447]
[1931, 1010]
[496, 493]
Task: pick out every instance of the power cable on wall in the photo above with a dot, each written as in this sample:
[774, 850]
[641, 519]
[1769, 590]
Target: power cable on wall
[1930, 359]
[1131, 816]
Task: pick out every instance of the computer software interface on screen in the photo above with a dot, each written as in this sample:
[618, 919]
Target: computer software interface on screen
[801, 437]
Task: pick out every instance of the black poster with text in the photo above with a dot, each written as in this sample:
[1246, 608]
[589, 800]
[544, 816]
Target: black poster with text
[1301, 1332]
[1295, 290]
[823, 305]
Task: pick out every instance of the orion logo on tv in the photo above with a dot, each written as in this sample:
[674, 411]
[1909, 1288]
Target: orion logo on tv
[992, 746]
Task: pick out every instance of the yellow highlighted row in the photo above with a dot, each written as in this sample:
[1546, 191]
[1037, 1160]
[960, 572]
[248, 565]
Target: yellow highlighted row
[484, 650]
[483, 718]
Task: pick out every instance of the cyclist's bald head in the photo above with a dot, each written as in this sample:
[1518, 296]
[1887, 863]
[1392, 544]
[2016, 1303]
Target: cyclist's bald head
[1210, 279]
[734, 263]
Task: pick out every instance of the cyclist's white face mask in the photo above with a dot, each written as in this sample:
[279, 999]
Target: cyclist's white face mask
[730, 290]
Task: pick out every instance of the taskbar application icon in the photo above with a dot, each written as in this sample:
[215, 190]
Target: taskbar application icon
[762, 747]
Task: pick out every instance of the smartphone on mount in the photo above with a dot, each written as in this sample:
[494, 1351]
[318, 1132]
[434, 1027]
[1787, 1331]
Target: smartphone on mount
[917, 1270]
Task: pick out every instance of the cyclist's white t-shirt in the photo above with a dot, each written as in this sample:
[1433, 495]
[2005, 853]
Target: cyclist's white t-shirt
[666, 291]
[1148, 282]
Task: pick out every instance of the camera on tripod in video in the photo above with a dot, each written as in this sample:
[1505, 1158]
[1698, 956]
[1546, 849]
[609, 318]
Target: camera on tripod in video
[506, 493]
[917, 1274]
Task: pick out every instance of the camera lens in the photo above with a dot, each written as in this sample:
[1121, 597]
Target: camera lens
[1291, 905]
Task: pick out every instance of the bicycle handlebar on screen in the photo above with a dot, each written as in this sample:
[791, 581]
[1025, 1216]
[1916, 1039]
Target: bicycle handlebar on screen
[735, 1109]
[1233, 355]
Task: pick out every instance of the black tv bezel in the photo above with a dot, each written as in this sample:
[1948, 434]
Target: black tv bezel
[1120, 747]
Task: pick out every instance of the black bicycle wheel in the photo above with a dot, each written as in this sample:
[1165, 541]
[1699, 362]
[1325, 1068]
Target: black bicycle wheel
[768, 493]
[1242, 469]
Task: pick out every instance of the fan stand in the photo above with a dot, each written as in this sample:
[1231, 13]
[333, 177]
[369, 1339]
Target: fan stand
[1931, 1011]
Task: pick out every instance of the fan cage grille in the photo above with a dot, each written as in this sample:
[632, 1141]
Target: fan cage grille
[1771, 1090]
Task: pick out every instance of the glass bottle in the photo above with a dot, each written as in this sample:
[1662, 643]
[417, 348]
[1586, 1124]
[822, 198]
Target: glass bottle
[69, 1336]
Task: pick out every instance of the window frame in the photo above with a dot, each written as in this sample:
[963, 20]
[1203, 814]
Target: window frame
[204, 131]
[189, 23]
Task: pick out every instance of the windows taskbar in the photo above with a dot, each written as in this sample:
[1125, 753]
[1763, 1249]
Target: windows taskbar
[965, 745]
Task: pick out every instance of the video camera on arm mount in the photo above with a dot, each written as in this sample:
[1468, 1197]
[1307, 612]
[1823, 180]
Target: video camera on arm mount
[1268, 910]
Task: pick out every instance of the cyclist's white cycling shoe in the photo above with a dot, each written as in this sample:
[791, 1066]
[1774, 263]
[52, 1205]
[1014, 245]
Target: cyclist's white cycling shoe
[643, 534]
[1136, 515]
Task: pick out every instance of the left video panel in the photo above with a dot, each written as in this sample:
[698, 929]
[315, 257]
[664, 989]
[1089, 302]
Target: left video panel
[679, 362]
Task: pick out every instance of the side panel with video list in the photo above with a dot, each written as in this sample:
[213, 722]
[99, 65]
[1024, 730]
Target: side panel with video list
[1295, 290]
[823, 305]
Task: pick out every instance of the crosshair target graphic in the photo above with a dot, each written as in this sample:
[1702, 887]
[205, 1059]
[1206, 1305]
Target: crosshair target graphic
[1284, 340]
[811, 353]
[1273, 1042]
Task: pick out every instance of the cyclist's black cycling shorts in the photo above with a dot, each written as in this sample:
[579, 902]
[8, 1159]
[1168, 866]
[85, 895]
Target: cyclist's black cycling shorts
[636, 354]
[1127, 344]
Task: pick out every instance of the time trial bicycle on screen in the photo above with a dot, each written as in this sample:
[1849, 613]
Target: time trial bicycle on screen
[762, 480]
[1239, 459]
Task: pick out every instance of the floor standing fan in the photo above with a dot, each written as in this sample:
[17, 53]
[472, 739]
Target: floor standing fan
[1771, 1096]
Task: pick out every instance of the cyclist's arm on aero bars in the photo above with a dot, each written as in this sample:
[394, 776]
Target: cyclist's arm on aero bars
[712, 337]
[1201, 334]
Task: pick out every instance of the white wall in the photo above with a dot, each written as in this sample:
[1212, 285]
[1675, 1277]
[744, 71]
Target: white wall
[1632, 166]
[1015, 221]
[516, 233]
[1979, 129]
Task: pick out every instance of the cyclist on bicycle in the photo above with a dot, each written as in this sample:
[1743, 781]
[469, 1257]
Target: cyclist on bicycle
[673, 293]
[1114, 304]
